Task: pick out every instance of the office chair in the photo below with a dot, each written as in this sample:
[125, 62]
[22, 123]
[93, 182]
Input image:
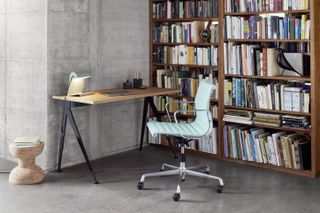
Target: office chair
[183, 133]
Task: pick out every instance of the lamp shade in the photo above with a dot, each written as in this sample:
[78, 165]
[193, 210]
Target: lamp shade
[82, 75]
[76, 82]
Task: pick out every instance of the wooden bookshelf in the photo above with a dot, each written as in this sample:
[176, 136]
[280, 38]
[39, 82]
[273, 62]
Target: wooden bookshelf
[313, 13]
[191, 67]
[314, 79]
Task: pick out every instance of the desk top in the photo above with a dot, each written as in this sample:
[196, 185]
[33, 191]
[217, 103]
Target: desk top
[111, 95]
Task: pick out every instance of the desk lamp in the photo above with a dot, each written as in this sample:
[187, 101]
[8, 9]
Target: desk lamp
[76, 83]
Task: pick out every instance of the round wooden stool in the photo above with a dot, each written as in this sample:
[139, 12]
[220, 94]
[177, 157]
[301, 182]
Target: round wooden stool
[27, 172]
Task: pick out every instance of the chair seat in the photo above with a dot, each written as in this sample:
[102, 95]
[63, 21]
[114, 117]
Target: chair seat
[192, 130]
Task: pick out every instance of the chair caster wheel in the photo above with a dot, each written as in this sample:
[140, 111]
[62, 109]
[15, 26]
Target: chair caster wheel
[183, 180]
[176, 196]
[207, 172]
[140, 185]
[219, 189]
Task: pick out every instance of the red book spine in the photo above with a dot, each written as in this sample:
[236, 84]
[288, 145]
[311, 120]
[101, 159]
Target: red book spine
[265, 62]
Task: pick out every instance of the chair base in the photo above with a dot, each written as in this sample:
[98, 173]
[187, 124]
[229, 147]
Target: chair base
[182, 171]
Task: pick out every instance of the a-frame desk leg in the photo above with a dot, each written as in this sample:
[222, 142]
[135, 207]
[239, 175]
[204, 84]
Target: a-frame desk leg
[67, 114]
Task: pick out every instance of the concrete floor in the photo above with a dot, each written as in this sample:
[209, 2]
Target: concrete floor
[247, 189]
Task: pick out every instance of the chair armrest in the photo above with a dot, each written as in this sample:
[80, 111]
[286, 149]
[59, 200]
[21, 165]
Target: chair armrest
[176, 101]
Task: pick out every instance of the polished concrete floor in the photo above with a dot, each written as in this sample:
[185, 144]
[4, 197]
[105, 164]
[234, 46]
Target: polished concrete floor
[247, 189]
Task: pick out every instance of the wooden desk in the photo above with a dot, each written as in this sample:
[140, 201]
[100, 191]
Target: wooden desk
[103, 97]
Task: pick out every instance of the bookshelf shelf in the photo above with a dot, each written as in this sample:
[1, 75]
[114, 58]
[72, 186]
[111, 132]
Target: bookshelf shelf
[275, 127]
[271, 167]
[278, 78]
[289, 12]
[267, 110]
[268, 40]
[185, 65]
[183, 20]
[189, 44]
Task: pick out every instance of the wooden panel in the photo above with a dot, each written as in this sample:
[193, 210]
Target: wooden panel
[99, 97]
[221, 78]
[315, 78]
[272, 167]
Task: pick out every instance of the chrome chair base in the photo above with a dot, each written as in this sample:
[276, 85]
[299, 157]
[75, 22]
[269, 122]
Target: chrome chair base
[182, 171]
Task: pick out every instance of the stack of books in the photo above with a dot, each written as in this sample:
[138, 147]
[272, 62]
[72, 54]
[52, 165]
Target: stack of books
[267, 119]
[269, 27]
[29, 141]
[264, 5]
[295, 121]
[290, 150]
[238, 116]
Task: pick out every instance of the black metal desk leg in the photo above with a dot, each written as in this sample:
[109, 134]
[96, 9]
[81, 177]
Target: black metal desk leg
[80, 142]
[62, 135]
[144, 120]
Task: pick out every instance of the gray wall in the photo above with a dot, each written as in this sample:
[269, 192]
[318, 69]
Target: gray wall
[23, 71]
[108, 38]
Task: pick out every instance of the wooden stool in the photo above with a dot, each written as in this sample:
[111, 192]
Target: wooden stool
[27, 172]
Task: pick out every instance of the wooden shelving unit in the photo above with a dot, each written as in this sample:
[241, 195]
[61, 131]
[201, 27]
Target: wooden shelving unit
[314, 79]
[198, 68]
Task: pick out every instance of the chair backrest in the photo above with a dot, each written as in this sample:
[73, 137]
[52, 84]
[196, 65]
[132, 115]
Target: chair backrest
[202, 102]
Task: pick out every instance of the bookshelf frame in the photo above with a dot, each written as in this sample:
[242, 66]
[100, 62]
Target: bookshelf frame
[314, 14]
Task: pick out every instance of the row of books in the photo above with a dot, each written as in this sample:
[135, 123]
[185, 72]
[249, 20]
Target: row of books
[174, 105]
[186, 55]
[186, 32]
[188, 84]
[246, 59]
[275, 95]
[268, 27]
[289, 150]
[264, 5]
[257, 60]
[175, 9]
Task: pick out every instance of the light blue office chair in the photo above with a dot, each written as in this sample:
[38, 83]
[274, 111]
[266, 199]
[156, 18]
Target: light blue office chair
[201, 127]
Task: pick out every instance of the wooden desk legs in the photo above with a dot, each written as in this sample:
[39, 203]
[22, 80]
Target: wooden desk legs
[149, 101]
[67, 114]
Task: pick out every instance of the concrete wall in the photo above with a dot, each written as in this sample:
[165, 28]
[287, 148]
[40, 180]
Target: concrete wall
[110, 39]
[23, 71]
